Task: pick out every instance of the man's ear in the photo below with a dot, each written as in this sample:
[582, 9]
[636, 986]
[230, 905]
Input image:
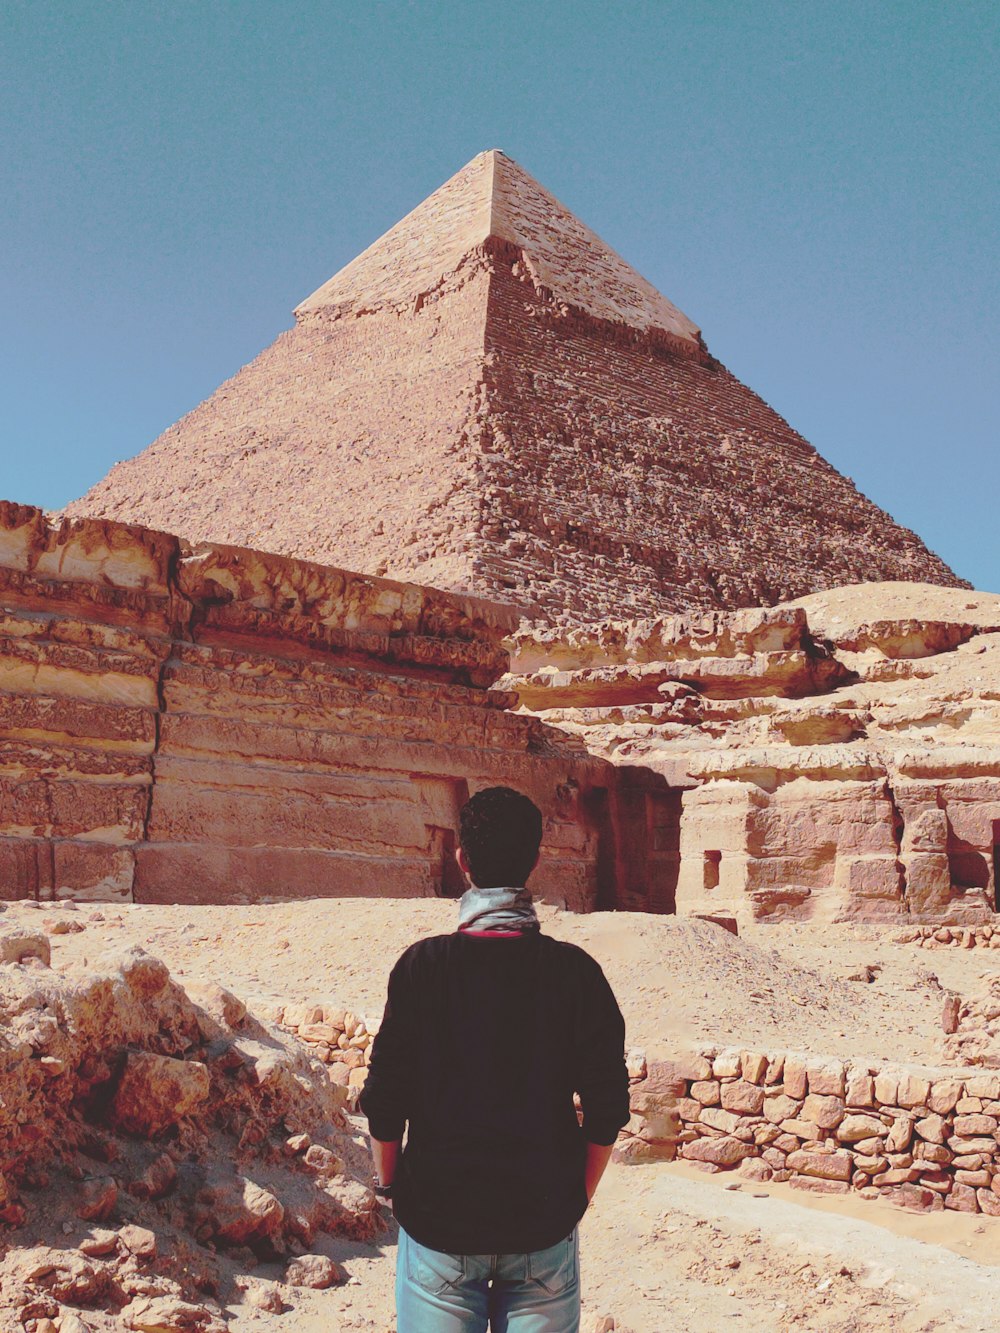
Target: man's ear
[463, 864]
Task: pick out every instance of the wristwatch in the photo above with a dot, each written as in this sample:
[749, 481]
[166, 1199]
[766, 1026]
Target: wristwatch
[383, 1192]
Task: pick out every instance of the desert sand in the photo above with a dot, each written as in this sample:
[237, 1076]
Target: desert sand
[664, 1246]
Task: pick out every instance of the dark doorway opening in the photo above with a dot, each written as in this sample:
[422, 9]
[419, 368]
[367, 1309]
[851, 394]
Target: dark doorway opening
[442, 799]
[450, 882]
[713, 860]
[996, 865]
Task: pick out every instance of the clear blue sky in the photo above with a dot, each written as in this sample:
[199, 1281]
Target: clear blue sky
[817, 185]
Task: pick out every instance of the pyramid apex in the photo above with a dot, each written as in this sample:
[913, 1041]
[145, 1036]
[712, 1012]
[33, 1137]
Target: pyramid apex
[493, 197]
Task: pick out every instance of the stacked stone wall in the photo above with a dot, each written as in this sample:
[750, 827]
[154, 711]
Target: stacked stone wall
[922, 1138]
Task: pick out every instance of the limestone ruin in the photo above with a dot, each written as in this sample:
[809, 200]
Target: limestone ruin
[840, 756]
[211, 724]
[490, 400]
[181, 1134]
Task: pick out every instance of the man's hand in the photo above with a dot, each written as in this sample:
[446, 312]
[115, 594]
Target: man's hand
[598, 1157]
[385, 1156]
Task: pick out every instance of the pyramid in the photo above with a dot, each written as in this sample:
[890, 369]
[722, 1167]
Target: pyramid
[489, 399]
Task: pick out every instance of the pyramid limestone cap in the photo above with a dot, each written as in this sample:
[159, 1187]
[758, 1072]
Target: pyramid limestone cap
[493, 197]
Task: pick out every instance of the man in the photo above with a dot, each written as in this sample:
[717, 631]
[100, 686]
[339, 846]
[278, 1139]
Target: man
[487, 1034]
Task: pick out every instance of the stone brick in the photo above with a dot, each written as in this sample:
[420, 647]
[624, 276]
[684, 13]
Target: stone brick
[933, 1128]
[860, 1090]
[819, 1185]
[970, 1106]
[777, 1109]
[969, 1126]
[978, 1179]
[983, 1085]
[754, 1066]
[914, 1198]
[886, 1088]
[967, 1162]
[747, 1098]
[856, 1128]
[913, 1090]
[897, 1175]
[962, 1146]
[962, 1199]
[900, 1133]
[727, 1064]
[796, 1081]
[825, 1111]
[663, 1078]
[944, 1095]
[725, 1151]
[706, 1091]
[826, 1077]
[718, 1118]
[936, 1152]
[830, 1165]
[870, 1166]
[802, 1129]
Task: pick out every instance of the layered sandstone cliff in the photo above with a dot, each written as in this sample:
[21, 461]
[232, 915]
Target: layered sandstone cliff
[489, 399]
[214, 724]
[841, 755]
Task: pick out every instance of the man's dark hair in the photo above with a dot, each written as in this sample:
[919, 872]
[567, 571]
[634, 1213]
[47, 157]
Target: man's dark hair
[500, 831]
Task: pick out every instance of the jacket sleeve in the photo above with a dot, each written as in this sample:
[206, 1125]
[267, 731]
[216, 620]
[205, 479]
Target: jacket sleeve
[601, 1073]
[386, 1097]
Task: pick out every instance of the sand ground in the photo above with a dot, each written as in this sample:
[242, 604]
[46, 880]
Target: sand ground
[664, 1247]
[677, 980]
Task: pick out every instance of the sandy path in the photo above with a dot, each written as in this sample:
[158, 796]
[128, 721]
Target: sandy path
[664, 1249]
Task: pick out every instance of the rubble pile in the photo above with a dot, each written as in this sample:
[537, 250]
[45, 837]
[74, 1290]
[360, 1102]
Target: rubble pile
[974, 1033]
[156, 1144]
[341, 1039]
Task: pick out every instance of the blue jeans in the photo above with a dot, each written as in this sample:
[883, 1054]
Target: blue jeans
[464, 1293]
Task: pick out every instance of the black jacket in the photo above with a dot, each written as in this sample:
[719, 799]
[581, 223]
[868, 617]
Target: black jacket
[483, 1043]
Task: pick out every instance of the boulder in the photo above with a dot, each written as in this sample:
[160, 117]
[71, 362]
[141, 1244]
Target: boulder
[156, 1091]
[18, 944]
[313, 1270]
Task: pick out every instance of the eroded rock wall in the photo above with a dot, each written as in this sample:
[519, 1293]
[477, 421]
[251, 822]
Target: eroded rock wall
[216, 724]
[841, 756]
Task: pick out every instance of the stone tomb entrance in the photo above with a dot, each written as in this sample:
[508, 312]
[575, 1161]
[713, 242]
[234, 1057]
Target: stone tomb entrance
[444, 798]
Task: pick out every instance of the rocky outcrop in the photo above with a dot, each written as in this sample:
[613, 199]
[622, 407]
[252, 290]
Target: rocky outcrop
[841, 755]
[153, 1144]
[490, 399]
[216, 724]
